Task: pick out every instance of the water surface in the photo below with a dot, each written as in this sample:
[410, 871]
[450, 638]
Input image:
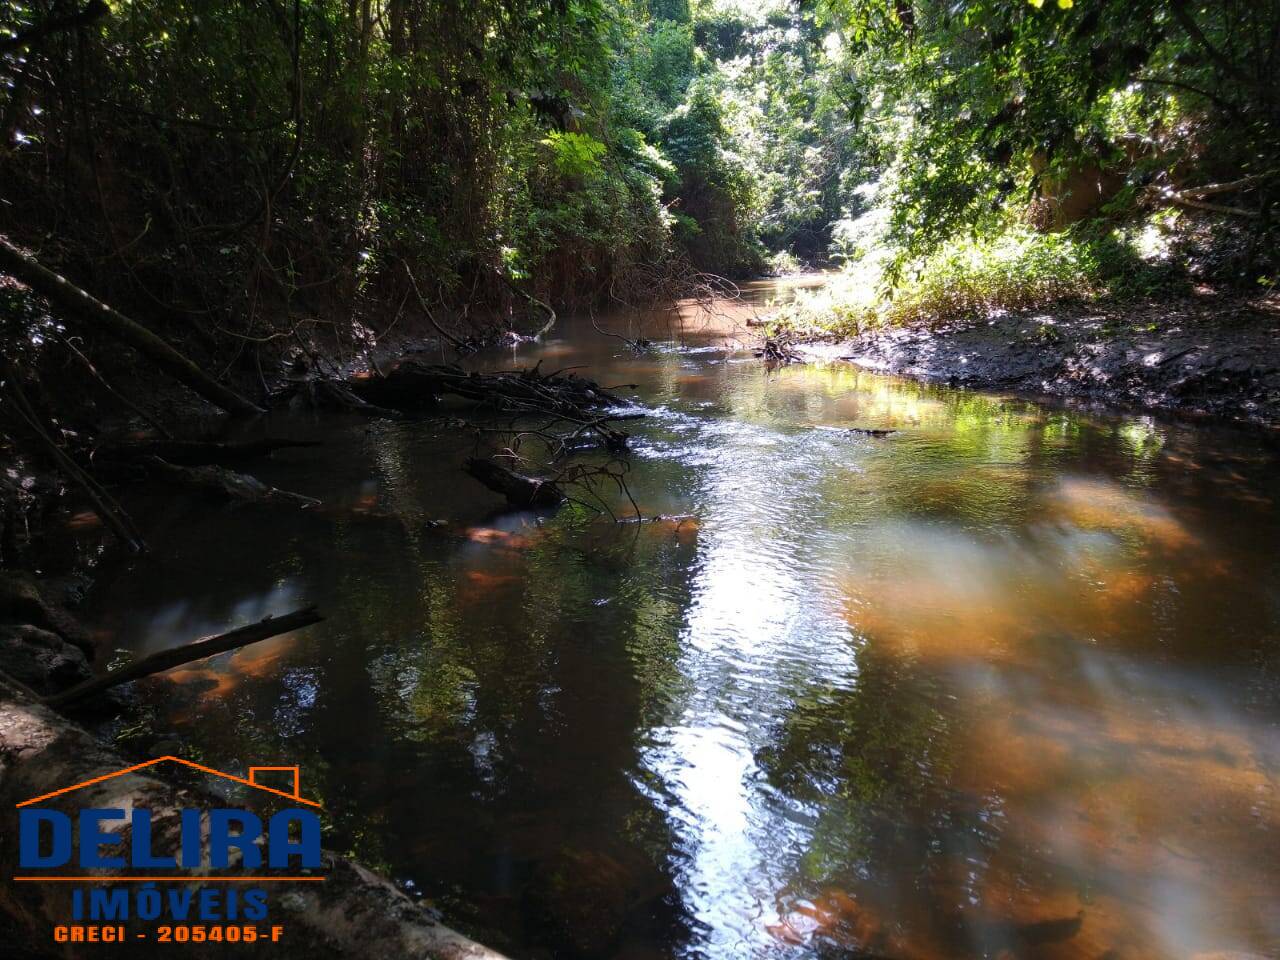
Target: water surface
[1001, 684]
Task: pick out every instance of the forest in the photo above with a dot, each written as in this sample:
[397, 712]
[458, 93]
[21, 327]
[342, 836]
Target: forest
[232, 170]
[700, 479]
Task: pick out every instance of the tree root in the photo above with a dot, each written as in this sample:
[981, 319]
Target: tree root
[779, 351]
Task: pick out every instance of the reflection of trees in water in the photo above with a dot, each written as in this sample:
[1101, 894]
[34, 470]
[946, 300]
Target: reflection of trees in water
[873, 761]
[896, 850]
[1087, 800]
[512, 719]
[900, 862]
[467, 712]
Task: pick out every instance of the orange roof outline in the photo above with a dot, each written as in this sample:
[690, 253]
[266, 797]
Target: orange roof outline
[250, 782]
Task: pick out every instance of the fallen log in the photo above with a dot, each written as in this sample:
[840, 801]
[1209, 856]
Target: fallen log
[860, 431]
[196, 650]
[414, 383]
[407, 387]
[872, 431]
[519, 489]
[77, 305]
[223, 484]
[196, 453]
[352, 915]
[322, 394]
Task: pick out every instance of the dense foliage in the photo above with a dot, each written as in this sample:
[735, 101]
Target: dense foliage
[244, 164]
[1055, 112]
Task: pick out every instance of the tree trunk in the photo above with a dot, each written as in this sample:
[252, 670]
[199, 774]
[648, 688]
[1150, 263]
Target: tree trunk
[80, 306]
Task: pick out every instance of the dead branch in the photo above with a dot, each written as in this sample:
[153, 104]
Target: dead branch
[1233, 186]
[95, 314]
[778, 350]
[1187, 199]
[520, 489]
[458, 344]
[196, 650]
[223, 484]
[325, 394]
[120, 397]
[413, 383]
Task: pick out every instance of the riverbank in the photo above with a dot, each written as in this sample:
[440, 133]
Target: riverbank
[577, 738]
[1204, 356]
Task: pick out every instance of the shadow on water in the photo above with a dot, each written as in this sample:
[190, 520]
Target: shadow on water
[1001, 684]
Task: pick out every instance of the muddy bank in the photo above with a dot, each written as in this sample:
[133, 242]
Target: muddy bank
[1206, 356]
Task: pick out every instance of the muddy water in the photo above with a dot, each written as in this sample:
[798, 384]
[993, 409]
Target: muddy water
[1001, 684]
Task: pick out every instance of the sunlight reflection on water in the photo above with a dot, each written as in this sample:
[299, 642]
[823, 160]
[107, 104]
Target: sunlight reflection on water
[1001, 684]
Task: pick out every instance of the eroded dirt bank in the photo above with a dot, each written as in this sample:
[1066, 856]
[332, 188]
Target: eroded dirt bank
[1204, 356]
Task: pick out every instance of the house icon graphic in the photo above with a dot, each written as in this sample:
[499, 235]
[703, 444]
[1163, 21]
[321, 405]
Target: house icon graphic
[250, 781]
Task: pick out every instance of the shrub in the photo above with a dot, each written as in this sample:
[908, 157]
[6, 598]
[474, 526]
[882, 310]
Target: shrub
[1017, 268]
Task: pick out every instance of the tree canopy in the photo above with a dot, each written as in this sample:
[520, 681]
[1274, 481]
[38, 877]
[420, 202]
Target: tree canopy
[250, 160]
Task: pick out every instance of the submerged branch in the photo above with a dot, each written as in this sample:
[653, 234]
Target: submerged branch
[196, 650]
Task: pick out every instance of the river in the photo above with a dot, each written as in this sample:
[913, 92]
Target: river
[1002, 683]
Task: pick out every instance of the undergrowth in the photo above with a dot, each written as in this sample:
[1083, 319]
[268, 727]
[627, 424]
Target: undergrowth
[970, 278]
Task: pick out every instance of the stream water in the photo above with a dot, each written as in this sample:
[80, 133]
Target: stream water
[1002, 683]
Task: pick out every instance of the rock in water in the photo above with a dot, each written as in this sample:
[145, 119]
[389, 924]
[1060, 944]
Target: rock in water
[23, 602]
[41, 660]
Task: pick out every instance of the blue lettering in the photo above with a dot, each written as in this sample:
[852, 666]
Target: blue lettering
[255, 904]
[280, 846]
[180, 903]
[191, 840]
[29, 856]
[210, 904]
[109, 904]
[142, 855]
[221, 839]
[92, 837]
